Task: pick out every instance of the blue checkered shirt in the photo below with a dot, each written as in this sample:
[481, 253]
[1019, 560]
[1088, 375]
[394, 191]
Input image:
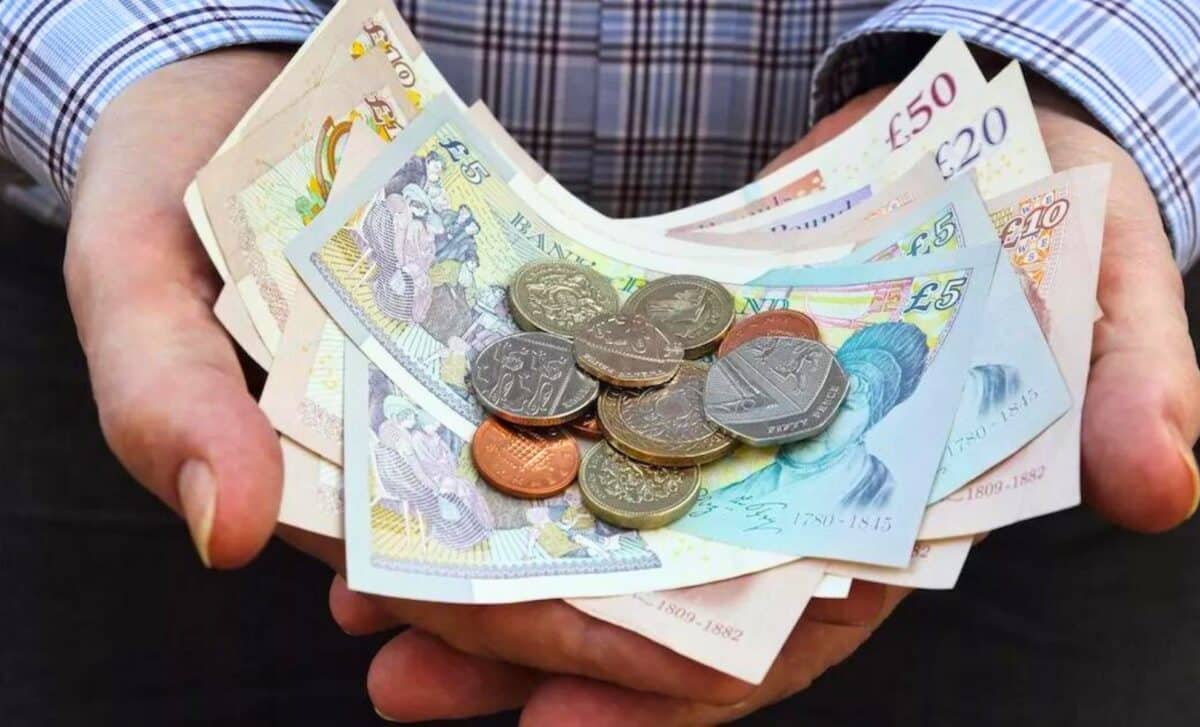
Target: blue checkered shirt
[637, 106]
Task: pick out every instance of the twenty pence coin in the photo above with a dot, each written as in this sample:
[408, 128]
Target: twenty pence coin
[769, 323]
[627, 351]
[665, 425]
[528, 463]
[775, 390]
[695, 310]
[632, 494]
[531, 379]
[558, 297]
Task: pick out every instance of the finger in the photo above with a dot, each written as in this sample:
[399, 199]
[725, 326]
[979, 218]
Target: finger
[1142, 408]
[172, 401]
[417, 677]
[356, 614]
[811, 649]
[553, 637]
[861, 606]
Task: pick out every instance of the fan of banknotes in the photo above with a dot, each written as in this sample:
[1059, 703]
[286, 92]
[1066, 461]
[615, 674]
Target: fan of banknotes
[413, 282]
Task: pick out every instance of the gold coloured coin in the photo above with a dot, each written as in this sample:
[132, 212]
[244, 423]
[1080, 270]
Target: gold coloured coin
[558, 297]
[696, 310]
[627, 351]
[665, 425]
[632, 494]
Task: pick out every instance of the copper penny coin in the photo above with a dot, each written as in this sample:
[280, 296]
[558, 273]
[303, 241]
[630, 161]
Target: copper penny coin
[587, 425]
[528, 463]
[791, 323]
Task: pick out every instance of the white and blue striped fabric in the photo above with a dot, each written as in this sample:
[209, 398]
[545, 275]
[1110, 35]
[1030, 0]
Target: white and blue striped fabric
[640, 107]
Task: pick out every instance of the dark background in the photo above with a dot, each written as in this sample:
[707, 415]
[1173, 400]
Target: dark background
[108, 617]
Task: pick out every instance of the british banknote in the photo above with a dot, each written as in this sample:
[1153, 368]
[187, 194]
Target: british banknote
[1050, 231]
[945, 80]
[416, 278]
[994, 136]
[264, 189]
[1014, 390]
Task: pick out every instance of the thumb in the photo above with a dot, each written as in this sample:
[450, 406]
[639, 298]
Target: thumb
[172, 400]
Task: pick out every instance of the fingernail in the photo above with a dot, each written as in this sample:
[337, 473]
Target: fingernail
[1190, 460]
[198, 498]
[383, 716]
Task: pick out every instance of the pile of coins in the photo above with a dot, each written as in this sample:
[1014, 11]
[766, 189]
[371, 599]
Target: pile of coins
[628, 374]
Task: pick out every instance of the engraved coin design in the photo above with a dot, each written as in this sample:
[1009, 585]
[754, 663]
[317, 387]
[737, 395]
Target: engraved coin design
[664, 425]
[531, 379]
[587, 425]
[558, 297]
[775, 389]
[695, 310]
[769, 323]
[632, 494]
[625, 350]
[527, 463]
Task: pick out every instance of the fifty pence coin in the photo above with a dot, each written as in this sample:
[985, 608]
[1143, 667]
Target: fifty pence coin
[531, 379]
[557, 296]
[695, 310]
[665, 425]
[528, 463]
[632, 494]
[769, 323]
[775, 389]
[628, 351]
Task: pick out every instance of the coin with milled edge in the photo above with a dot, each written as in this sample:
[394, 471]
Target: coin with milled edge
[529, 463]
[769, 323]
[665, 425]
[531, 379]
[628, 351]
[695, 310]
[557, 296]
[632, 494]
[775, 389]
[587, 425]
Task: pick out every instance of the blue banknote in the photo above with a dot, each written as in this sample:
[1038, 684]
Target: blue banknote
[1014, 389]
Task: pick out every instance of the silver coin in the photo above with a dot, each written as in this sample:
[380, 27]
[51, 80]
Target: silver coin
[531, 379]
[775, 390]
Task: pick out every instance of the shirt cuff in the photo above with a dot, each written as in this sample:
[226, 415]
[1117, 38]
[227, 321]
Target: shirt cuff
[64, 61]
[1134, 68]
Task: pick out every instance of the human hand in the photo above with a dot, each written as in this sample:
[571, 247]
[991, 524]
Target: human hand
[562, 665]
[557, 662]
[171, 396]
[1141, 414]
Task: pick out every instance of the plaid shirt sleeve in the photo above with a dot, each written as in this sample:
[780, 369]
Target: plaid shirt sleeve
[1135, 65]
[61, 61]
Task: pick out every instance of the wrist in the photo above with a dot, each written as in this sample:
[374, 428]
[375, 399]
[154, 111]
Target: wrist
[184, 109]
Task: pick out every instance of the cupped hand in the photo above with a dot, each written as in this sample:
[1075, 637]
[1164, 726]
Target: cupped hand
[563, 667]
[171, 396]
[1141, 414]
[1141, 419]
